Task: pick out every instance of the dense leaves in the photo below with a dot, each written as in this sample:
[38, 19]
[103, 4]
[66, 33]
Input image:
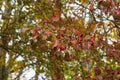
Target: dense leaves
[62, 39]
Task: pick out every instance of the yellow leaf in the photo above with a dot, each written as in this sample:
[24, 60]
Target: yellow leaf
[81, 1]
[84, 1]
[80, 25]
[92, 27]
[85, 69]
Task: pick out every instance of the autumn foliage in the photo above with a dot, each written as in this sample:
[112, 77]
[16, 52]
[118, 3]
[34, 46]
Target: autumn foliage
[63, 39]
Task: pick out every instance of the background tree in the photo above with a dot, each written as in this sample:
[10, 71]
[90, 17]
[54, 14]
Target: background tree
[62, 39]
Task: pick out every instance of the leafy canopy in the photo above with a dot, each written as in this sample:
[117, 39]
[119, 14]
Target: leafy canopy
[62, 39]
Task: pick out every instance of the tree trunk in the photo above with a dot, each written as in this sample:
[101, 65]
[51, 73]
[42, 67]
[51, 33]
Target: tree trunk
[3, 69]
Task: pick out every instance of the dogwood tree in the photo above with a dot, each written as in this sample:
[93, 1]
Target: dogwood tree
[62, 39]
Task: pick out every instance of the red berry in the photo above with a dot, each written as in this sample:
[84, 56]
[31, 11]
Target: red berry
[59, 37]
[70, 37]
[69, 43]
[80, 41]
[76, 39]
[91, 7]
[113, 50]
[111, 3]
[92, 43]
[81, 35]
[94, 79]
[62, 35]
[118, 72]
[101, 38]
[38, 37]
[62, 48]
[114, 42]
[111, 55]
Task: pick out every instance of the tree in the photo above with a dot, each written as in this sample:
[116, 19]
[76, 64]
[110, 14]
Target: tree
[62, 39]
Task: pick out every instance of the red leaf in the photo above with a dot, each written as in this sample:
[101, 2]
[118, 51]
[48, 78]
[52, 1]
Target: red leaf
[97, 70]
[47, 20]
[109, 53]
[55, 18]
[76, 32]
[72, 1]
[99, 2]
[72, 25]
[105, 10]
[33, 32]
[86, 45]
[87, 37]
[74, 42]
[43, 47]
[40, 31]
[63, 28]
[55, 45]
[24, 30]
